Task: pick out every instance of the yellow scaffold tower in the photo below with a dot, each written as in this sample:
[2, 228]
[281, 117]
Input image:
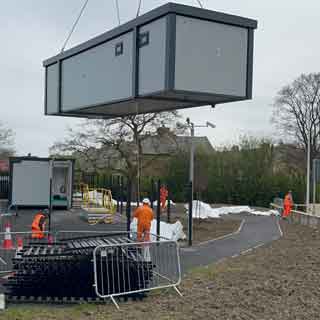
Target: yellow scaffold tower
[98, 204]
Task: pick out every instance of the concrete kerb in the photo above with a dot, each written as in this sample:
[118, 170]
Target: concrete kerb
[223, 237]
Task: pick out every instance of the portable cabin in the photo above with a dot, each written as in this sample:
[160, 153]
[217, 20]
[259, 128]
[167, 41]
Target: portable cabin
[30, 182]
[172, 57]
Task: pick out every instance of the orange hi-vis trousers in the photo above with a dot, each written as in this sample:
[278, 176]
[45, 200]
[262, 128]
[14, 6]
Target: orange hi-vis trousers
[144, 231]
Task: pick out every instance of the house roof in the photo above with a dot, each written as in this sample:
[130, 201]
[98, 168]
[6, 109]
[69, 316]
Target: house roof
[155, 145]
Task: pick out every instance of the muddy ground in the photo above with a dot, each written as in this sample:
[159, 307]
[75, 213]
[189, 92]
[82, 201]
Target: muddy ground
[205, 229]
[278, 281]
[208, 229]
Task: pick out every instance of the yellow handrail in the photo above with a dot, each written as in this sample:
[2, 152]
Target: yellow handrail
[97, 197]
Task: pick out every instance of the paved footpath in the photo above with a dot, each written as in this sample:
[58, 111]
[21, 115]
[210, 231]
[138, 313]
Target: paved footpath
[255, 231]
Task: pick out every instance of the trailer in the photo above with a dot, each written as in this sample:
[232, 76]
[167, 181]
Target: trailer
[172, 57]
[33, 179]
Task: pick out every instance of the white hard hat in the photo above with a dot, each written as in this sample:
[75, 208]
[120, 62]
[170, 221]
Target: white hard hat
[146, 201]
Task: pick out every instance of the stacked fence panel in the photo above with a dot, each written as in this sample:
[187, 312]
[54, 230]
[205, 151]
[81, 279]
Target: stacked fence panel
[70, 266]
[4, 187]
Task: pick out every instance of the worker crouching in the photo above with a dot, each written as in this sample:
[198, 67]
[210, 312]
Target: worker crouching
[38, 225]
[144, 215]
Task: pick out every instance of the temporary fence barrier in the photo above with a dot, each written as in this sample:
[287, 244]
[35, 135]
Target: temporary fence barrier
[63, 235]
[131, 268]
[4, 187]
[19, 240]
[120, 267]
[12, 242]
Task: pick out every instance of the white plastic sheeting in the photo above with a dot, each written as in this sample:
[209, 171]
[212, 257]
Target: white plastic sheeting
[169, 231]
[98, 196]
[134, 203]
[202, 210]
[155, 203]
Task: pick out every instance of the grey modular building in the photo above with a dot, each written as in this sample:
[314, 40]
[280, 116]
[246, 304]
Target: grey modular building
[172, 57]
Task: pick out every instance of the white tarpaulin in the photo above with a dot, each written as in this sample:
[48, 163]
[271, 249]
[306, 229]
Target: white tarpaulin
[202, 210]
[169, 231]
[134, 203]
[155, 203]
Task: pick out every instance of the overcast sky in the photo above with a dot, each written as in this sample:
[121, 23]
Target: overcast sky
[286, 45]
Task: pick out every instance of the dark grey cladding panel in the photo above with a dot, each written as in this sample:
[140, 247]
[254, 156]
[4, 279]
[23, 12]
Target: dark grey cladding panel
[150, 16]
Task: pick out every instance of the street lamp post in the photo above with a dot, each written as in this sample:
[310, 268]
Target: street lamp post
[192, 126]
[191, 172]
[308, 173]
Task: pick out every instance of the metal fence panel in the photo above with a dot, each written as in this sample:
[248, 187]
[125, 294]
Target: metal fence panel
[119, 268]
[16, 241]
[4, 187]
[128, 268]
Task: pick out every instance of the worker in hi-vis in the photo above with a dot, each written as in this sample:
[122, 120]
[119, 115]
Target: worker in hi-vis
[287, 205]
[144, 215]
[38, 225]
[163, 196]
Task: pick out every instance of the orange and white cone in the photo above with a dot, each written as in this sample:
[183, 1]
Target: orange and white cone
[7, 243]
[19, 244]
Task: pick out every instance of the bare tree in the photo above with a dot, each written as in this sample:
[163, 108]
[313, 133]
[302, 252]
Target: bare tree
[116, 143]
[6, 141]
[297, 112]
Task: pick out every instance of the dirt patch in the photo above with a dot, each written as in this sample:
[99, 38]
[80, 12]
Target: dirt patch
[208, 229]
[205, 229]
[278, 281]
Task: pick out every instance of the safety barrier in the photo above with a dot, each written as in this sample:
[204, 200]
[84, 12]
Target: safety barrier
[157, 263]
[120, 267]
[76, 234]
[4, 187]
[135, 267]
[11, 242]
[278, 203]
[300, 217]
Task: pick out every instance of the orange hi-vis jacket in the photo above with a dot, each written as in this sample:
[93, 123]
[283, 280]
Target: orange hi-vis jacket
[287, 205]
[163, 196]
[144, 215]
[38, 226]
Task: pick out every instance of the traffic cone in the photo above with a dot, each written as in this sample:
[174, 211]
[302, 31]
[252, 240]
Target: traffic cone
[19, 244]
[7, 243]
